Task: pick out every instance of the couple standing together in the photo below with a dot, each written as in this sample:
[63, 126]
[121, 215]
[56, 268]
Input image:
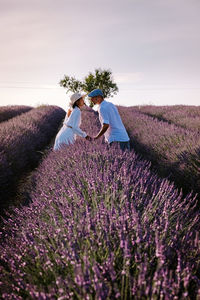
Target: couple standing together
[111, 124]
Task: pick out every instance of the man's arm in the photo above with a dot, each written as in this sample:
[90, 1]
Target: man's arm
[102, 131]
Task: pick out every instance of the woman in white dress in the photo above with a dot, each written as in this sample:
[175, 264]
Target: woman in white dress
[70, 129]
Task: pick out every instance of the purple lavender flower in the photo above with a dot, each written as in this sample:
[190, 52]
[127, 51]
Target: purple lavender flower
[101, 225]
[11, 111]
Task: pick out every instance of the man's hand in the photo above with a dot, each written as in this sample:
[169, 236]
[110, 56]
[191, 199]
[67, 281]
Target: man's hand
[89, 138]
[104, 128]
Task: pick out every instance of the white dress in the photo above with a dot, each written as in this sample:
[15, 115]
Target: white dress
[70, 129]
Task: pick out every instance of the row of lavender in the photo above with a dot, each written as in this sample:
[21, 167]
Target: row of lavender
[185, 116]
[11, 111]
[172, 149]
[101, 226]
[22, 138]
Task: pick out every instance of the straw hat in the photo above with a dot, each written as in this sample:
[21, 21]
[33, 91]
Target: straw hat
[76, 96]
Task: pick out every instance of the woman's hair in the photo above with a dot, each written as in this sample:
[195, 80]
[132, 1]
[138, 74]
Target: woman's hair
[69, 112]
[75, 103]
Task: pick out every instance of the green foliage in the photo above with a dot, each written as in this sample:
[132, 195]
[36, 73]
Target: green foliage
[101, 79]
[71, 84]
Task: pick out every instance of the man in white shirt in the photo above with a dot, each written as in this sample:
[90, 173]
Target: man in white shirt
[111, 123]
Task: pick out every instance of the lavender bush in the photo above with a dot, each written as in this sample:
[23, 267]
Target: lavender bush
[164, 144]
[21, 140]
[101, 225]
[10, 111]
[157, 111]
[184, 116]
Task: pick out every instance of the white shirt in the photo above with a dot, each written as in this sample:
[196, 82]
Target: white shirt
[74, 121]
[108, 114]
[70, 129]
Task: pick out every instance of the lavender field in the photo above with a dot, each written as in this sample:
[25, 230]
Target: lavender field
[101, 224]
[11, 111]
[173, 150]
[22, 139]
[184, 116]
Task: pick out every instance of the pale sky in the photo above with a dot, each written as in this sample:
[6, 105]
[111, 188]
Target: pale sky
[152, 48]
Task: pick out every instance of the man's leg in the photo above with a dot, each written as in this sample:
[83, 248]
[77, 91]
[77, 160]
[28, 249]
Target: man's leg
[123, 145]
